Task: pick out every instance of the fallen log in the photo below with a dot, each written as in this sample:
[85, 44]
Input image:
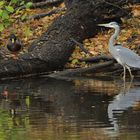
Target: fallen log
[82, 71]
[107, 68]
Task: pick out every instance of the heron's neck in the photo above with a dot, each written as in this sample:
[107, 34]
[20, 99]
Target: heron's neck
[113, 37]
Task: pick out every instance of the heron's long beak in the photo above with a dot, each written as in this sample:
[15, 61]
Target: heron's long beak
[104, 25]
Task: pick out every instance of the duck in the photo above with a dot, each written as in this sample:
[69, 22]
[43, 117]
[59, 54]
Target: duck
[14, 45]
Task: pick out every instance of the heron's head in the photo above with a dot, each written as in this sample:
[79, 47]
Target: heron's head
[110, 25]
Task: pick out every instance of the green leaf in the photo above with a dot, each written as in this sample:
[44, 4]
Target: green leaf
[9, 9]
[6, 23]
[5, 15]
[17, 11]
[28, 4]
[1, 11]
[22, 3]
[74, 61]
[1, 27]
[23, 16]
[27, 31]
[14, 1]
[1, 3]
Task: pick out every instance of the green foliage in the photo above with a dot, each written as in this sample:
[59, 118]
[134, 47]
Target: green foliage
[12, 128]
[74, 61]
[1, 27]
[28, 4]
[27, 31]
[9, 8]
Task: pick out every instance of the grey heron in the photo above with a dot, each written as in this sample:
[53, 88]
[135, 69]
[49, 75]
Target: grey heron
[124, 56]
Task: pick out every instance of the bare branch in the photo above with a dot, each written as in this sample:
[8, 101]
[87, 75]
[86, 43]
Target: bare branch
[42, 15]
[96, 59]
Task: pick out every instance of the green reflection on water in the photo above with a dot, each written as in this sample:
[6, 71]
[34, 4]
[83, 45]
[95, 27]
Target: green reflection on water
[10, 128]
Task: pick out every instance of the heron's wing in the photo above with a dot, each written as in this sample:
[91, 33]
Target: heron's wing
[128, 57]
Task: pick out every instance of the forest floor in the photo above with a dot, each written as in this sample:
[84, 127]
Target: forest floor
[29, 30]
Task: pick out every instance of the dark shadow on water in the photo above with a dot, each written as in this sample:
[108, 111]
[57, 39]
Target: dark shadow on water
[47, 107]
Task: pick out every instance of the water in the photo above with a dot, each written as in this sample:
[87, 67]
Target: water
[74, 109]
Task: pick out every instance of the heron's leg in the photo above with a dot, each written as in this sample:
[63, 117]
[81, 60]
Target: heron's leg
[132, 76]
[124, 71]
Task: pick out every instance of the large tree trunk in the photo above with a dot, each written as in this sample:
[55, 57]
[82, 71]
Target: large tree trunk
[53, 49]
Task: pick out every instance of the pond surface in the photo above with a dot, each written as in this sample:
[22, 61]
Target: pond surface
[74, 109]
